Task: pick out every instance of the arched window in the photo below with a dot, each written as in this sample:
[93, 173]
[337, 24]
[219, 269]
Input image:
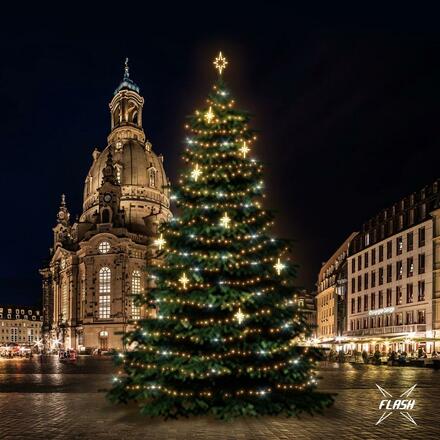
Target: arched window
[152, 177]
[104, 292]
[116, 116]
[132, 112]
[135, 290]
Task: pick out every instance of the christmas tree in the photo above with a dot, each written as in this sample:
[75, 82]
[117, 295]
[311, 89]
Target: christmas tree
[228, 338]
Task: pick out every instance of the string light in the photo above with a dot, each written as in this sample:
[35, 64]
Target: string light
[221, 311]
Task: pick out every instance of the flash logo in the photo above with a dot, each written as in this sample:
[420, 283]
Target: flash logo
[401, 404]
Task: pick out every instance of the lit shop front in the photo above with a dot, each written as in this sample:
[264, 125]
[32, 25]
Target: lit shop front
[388, 329]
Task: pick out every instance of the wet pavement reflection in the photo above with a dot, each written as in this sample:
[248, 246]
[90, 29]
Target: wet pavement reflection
[48, 399]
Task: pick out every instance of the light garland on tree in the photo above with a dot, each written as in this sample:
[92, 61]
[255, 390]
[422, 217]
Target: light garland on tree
[223, 318]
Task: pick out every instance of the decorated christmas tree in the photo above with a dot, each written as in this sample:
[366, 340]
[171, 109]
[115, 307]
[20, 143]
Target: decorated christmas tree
[228, 337]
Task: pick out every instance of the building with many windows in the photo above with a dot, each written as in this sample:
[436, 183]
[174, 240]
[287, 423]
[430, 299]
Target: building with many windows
[20, 325]
[306, 304]
[98, 264]
[331, 296]
[394, 277]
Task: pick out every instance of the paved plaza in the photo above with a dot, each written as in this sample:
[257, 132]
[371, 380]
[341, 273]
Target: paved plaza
[50, 400]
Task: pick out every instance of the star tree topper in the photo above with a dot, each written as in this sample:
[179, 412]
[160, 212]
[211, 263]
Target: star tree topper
[220, 63]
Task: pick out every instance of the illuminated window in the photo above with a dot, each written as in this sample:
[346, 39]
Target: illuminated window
[135, 290]
[118, 173]
[64, 302]
[104, 292]
[104, 247]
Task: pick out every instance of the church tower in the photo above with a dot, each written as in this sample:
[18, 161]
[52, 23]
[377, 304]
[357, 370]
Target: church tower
[99, 263]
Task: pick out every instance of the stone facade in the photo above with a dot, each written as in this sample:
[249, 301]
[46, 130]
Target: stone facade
[99, 263]
[331, 297]
[394, 281]
[20, 325]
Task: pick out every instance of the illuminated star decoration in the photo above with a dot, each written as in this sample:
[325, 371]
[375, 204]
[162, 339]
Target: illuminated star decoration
[160, 242]
[279, 266]
[184, 280]
[239, 316]
[244, 149]
[209, 115]
[225, 220]
[220, 63]
[196, 172]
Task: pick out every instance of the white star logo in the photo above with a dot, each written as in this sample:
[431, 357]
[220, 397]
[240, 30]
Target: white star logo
[401, 403]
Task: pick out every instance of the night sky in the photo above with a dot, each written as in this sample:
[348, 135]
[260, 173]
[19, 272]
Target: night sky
[346, 103]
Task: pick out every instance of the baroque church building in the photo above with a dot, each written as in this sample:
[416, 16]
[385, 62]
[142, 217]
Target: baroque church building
[98, 264]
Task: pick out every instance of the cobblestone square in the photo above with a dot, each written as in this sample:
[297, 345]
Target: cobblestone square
[49, 400]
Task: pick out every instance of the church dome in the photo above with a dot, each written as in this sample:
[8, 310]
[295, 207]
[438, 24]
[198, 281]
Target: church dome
[144, 185]
[139, 171]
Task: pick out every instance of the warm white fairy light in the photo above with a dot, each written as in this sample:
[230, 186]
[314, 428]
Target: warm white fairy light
[184, 280]
[220, 63]
[279, 266]
[225, 221]
[196, 172]
[160, 242]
